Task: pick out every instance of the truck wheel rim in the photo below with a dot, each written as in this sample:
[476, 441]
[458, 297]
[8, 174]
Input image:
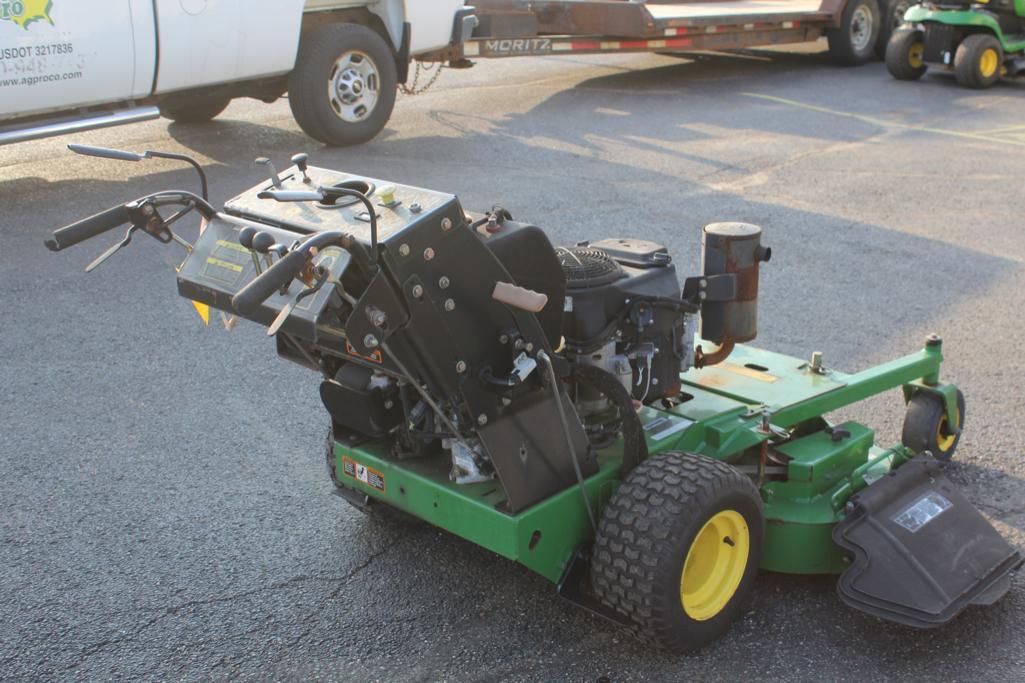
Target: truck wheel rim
[861, 28]
[353, 86]
[715, 565]
[988, 63]
[900, 8]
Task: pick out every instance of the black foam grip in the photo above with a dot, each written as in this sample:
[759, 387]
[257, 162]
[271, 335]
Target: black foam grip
[271, 280]
[92, 226]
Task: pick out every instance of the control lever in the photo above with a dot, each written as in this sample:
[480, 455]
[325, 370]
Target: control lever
[302, 162]
[274, 178]
[322, 276]
[320, 194]
[245, 238]
[112, 250]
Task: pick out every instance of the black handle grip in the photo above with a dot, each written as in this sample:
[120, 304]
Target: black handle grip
[92, 226]
[271, 280]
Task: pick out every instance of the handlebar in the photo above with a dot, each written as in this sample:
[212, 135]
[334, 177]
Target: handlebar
[92, 226]
[279, 275]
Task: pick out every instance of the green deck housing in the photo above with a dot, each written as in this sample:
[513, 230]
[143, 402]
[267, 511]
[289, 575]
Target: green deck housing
[723, 414]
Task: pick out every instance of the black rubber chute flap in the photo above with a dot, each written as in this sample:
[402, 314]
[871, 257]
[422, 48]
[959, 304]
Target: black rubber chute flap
[922, 552]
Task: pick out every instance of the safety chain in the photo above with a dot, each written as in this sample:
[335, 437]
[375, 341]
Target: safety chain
[413, 89]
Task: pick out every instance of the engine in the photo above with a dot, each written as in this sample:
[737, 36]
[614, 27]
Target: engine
[470, 342]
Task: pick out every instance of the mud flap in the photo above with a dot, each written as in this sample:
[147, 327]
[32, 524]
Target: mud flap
[922, 552]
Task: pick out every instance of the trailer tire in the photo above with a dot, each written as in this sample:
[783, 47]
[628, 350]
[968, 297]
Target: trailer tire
[854, 42]
[192, 108]
[891, 18]
[926, 427]
[978, 60]
[644, 565]
[342, 90]
[904, 55]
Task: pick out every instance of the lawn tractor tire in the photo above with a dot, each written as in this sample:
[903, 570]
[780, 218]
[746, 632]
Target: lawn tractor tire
[192, 108]
[904, 55]
[343, 88]
[854, 41]
[926, 427]
[678, 548]
[978, 61]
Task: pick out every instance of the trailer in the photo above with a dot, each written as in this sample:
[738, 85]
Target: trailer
[857, 30]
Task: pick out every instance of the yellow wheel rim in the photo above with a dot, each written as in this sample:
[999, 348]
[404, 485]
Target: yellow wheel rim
[915, 55]
[988, 63]
[715, 565]
[943, 440]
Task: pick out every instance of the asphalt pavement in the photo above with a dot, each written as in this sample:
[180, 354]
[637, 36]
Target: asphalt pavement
[164, 508]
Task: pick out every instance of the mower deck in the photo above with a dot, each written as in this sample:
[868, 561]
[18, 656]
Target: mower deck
[720, 415]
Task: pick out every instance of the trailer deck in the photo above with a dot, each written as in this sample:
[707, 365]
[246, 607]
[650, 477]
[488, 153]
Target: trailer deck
[513, 28]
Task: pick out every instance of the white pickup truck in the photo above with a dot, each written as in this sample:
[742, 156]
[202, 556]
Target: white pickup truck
[69, 65]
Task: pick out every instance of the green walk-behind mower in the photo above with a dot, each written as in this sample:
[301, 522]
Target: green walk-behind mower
[980, 41]
[578, 411]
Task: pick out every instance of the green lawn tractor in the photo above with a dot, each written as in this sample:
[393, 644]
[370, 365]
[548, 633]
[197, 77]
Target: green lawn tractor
[980, 41]
[579, 411]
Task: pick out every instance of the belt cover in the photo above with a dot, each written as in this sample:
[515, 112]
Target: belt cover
[922, 552]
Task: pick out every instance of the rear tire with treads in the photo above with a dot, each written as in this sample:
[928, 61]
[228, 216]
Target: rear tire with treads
[678, 548]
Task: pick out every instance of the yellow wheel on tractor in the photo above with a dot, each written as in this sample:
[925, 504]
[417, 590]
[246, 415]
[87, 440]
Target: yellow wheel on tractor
[678, 548]
[904, 54]
[927, 427]
[978, 61]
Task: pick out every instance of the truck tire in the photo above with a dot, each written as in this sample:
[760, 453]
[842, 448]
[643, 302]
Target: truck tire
[892, 17]
[978, 61]
[904, 55]
[854, 42]
[678, 548]
[342, 90]
[191, 108]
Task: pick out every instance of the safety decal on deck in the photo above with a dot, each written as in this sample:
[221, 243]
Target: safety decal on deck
[923, 511]
[367, 475]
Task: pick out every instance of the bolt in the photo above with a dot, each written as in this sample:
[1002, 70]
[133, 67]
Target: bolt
[388, 405]
[503, 339]
[446, 224]
[403, 250]
[519, 344]
[370, 341]
[703, 283]
[418, 291]
[450, 305]
[933, 340]
[415, 208]
[444, 282]
[530, 347]
[482, 419]
[816, 361]
[461, 367]
[377, 317]
[702, 295]
[428, 254]
[654, 381]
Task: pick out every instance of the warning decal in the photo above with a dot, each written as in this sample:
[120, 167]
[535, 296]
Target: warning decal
[924, 510]
[367, 475]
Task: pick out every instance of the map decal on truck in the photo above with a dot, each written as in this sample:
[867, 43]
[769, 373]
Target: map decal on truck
[25, 12]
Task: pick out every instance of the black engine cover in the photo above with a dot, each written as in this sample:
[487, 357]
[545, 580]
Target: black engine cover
[613, 286]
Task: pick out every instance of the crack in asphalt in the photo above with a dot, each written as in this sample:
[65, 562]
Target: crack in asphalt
[102, 645]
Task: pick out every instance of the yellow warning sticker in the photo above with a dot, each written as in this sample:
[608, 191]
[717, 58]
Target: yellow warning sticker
[359, 472]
